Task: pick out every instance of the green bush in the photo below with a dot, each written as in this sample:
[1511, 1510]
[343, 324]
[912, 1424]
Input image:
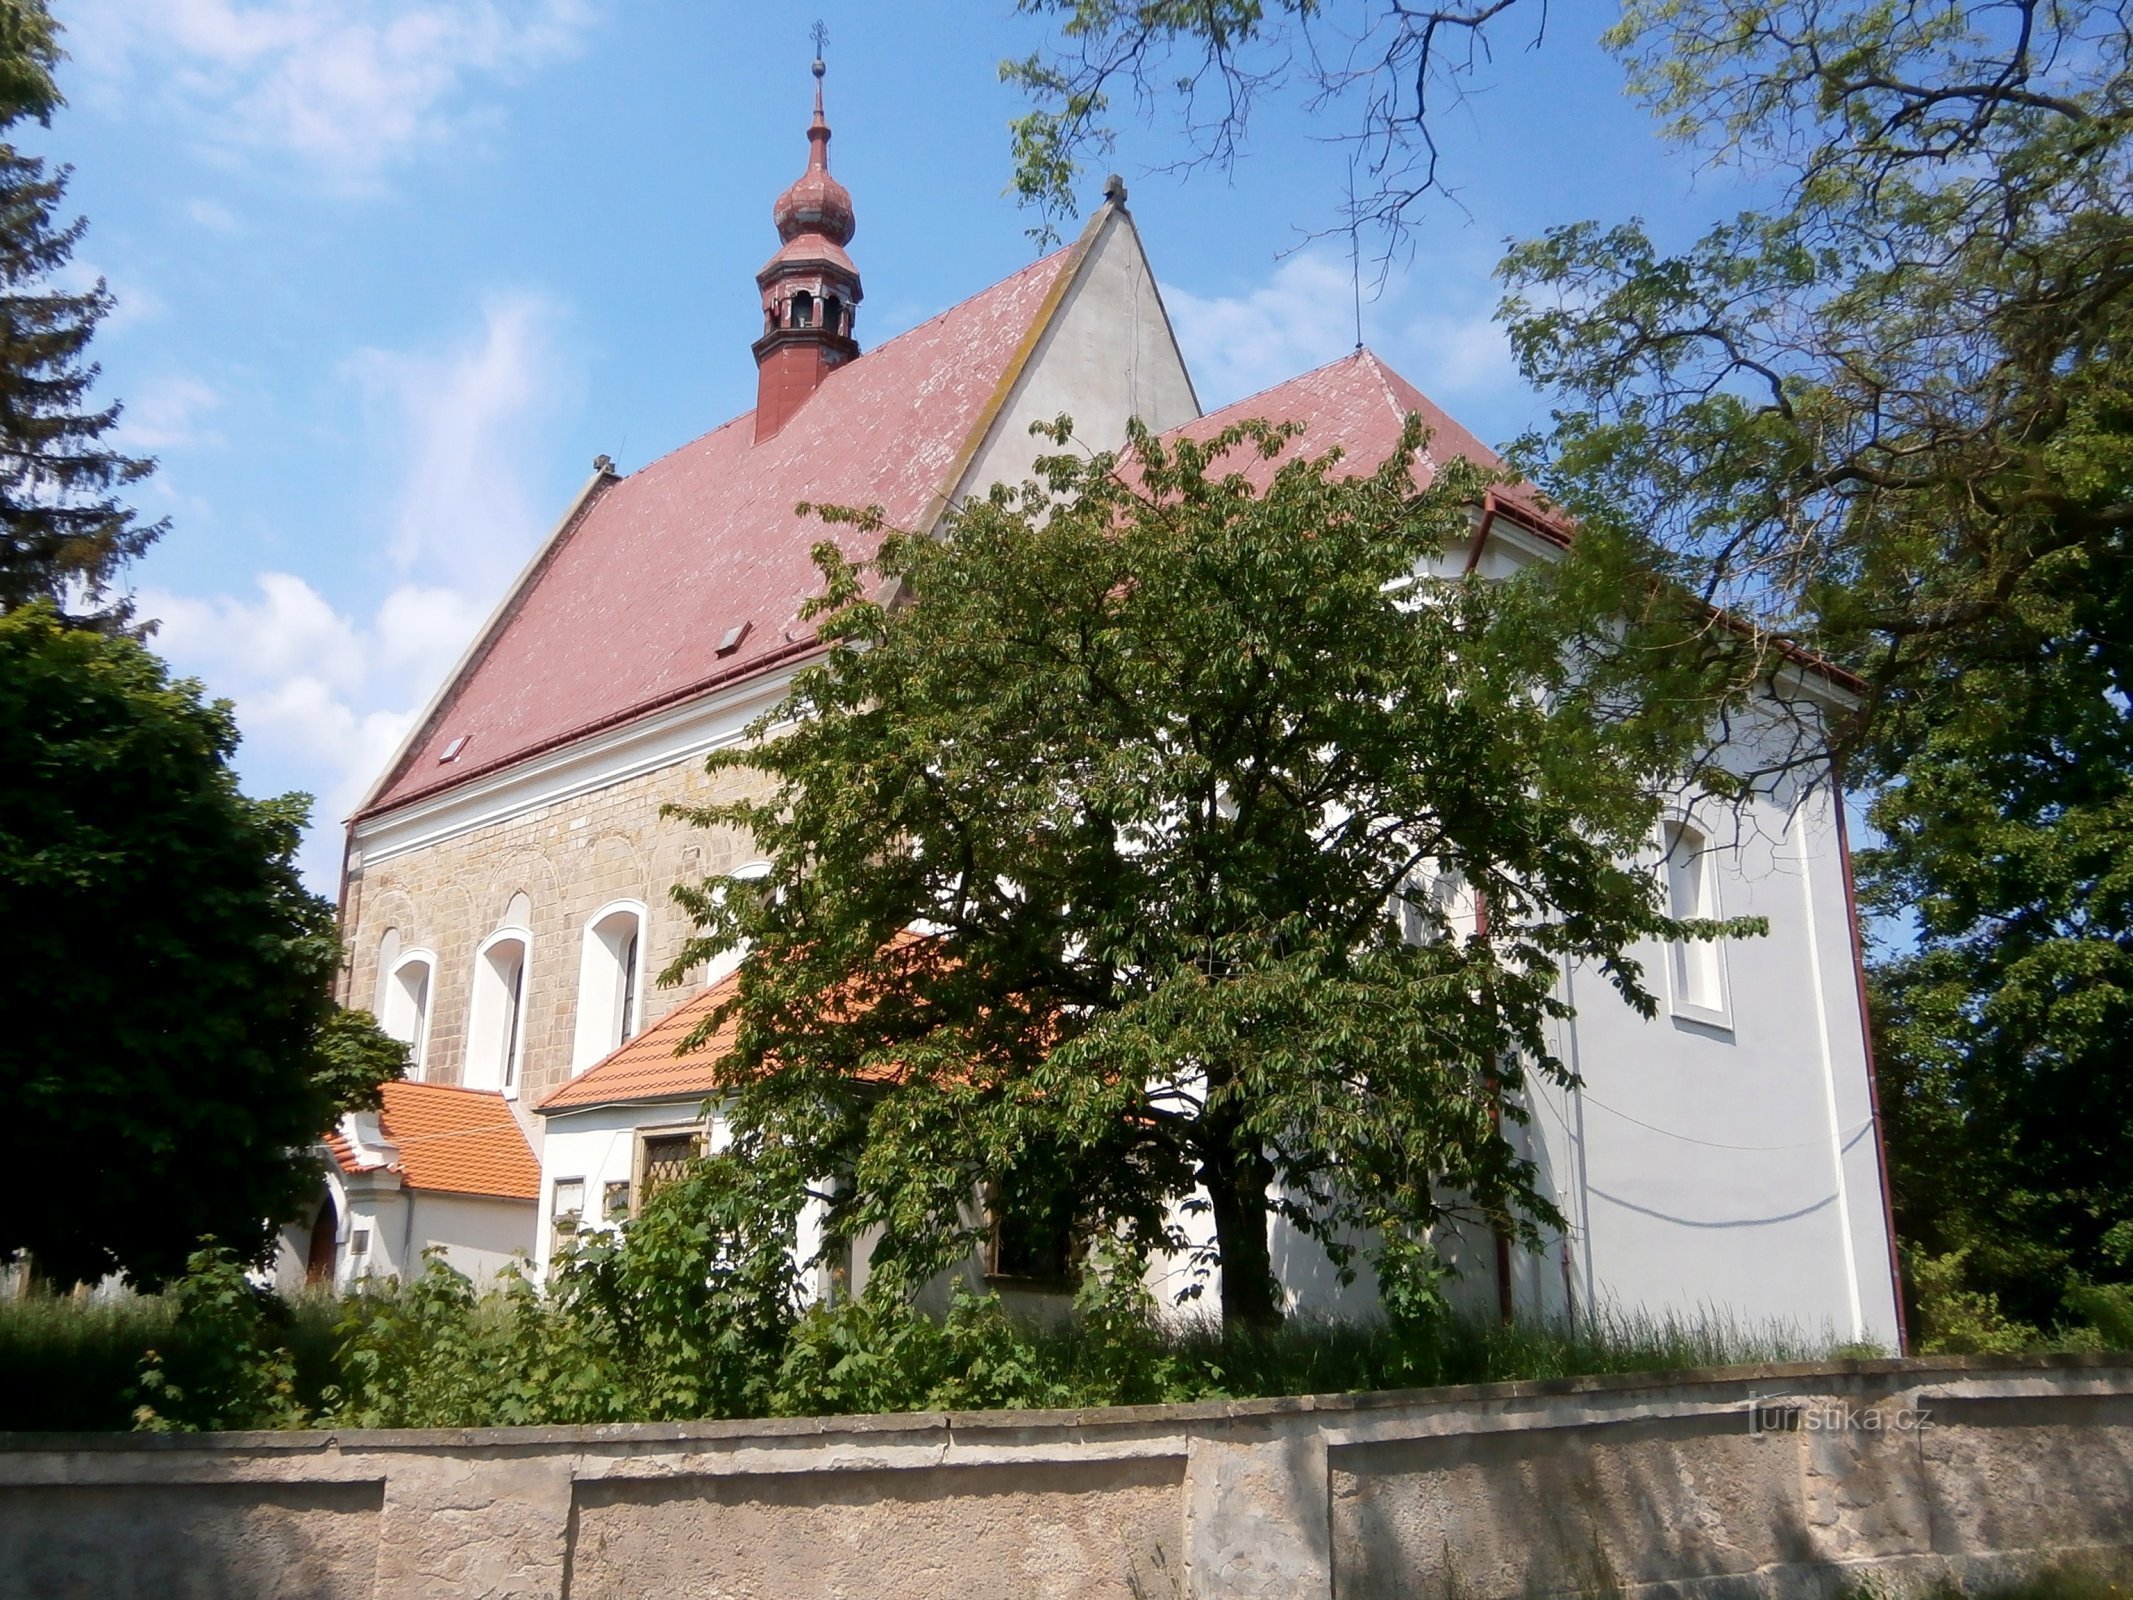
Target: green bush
[1954, 1319]
[233, 1369]
[694, 1311]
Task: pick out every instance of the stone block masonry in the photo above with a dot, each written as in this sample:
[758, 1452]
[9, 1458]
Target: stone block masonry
[569, 858]
[1771, 1481]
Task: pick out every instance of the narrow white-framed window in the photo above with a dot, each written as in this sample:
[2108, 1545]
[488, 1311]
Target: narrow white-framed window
[496, 1016]
[404, 1005]
[566, 1209]
[1695, 968]
[610, 982]
[728, 961]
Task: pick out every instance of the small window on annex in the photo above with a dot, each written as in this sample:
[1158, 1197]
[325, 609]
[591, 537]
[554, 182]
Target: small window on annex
[496, 1040]
[665, 1158]
[1696, 968]
[1030, 1228]
[610, 983]
[567, 1207]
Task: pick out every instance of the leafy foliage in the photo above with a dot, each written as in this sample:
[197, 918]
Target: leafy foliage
[242, 1377]
[1889, 413]
[1892, 411]
[214, 1352]
[64, 534]
[1374, 74]
[697, 1300]
[1153, 756]
[167, 1044]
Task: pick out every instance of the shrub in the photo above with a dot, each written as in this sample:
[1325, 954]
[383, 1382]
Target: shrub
[232, 1371]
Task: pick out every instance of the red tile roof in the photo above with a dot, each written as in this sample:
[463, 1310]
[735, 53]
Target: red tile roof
[646, 1068]
[455, 1141]
[626, 609]
[1361, 404]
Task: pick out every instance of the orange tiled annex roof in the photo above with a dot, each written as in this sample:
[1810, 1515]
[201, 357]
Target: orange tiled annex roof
[450, 1140]
[646, 1068]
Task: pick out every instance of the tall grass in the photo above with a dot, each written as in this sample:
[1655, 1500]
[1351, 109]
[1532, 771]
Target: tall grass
[73, 1363]
[432, 1353]
[1324, 1355]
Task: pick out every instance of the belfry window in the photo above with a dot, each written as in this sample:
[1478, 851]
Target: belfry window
[803, 310]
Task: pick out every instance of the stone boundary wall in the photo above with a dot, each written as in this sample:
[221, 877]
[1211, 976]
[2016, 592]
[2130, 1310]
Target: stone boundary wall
[1768, 1481]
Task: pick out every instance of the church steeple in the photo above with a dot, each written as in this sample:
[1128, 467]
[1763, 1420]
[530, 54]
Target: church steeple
[810, 288]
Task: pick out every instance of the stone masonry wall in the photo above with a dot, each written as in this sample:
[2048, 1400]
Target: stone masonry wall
[1774, 1481]
[569, 858]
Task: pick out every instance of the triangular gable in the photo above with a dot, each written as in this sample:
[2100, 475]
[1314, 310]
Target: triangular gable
[1106, 354]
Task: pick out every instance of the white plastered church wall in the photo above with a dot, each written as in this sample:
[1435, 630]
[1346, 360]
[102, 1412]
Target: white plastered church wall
[1106, 355]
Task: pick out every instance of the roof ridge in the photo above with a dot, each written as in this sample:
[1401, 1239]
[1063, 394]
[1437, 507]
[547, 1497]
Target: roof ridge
[916, 327]
[450, 1088]
[1385, 376]
[1283, 383]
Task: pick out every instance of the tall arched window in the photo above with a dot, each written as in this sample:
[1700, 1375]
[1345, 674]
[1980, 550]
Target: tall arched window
[404, 1005]
[610, 982]
[755, 873]
[1696, 968]
[496, 1031]
[803, 310]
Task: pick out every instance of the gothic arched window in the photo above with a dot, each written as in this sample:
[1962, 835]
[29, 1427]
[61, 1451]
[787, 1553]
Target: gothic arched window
[610, 977]
[496, 1035]
[404, 1005]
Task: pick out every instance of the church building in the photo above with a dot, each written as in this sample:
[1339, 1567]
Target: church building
[506, 902]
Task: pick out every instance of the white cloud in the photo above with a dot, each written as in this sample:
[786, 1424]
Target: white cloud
[348, 86]
[213, 216]
[165, 413]
[461, 418]
[1436, 328]
[319, 692]
[324, 693]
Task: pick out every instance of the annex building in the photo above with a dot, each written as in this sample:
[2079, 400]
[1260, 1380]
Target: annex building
[506, 892]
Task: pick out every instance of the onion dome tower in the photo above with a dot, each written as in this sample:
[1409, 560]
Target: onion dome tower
[810, 287]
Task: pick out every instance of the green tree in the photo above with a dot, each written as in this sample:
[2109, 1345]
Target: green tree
[1157, 765]
[1373, 76]
[64, 533]
[1888, 412]
[168, 1048]
[1892, 411]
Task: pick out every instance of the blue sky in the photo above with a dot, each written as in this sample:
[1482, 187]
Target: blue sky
[391, 272]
